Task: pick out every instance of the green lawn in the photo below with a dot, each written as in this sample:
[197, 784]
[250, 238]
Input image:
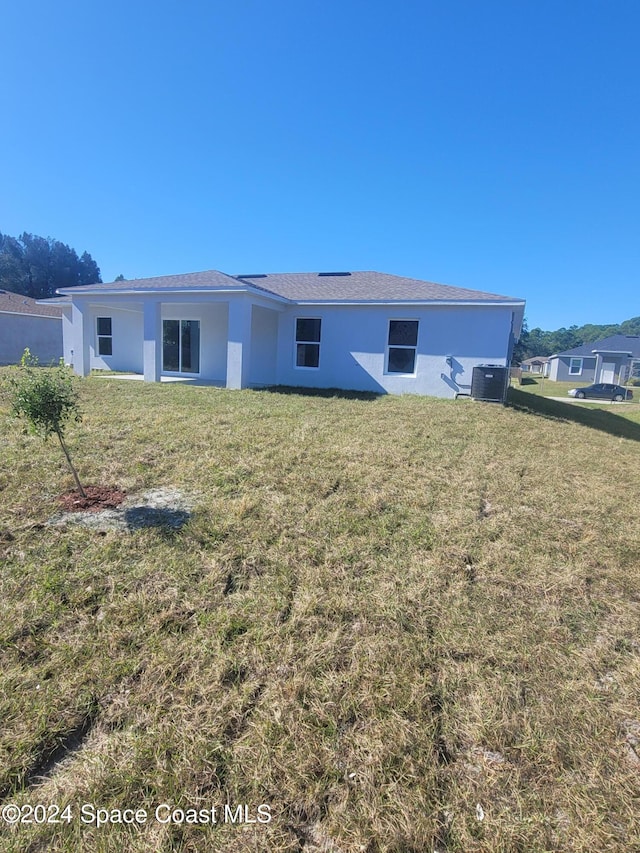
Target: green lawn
[545, 388]
[383, 613]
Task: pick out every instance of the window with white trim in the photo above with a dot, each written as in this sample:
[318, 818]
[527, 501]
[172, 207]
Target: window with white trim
[402, 345]
[308, 342]
[105, 336]
[575, 367]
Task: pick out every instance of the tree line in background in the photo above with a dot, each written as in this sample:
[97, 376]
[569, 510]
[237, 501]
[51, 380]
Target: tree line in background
[535, 342]
[36, 266]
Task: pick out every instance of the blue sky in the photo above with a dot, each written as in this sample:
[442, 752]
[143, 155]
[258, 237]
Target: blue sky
[490, 144]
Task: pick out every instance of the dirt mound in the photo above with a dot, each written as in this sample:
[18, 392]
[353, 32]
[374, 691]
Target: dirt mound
[97, 499]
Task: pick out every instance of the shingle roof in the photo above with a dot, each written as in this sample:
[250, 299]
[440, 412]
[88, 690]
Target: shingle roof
[365, 286]
[16, 303]
[614, 343]
[196, 280]
[309, 287]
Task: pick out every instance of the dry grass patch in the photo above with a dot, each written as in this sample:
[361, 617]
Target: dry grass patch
[382, 614]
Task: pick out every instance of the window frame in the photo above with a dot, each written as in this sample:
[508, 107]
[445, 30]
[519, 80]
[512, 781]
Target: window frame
[100, 337]
[297, 341]
[576, 372]
[389, 346]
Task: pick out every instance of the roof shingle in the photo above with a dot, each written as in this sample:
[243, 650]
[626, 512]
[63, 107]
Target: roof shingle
[16, 303]
[367, 286]
[196, 280]
[614, 343]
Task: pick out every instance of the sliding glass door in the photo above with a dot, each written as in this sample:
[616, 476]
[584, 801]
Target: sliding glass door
[181, 346]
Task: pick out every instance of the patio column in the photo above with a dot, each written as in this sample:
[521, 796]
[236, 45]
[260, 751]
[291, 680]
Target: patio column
[81, 336]
[152, 346]
[238, 343]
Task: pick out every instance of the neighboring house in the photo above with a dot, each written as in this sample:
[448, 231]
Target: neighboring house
[537, 364]
[365, 331]
[26, 323]
[610, 360]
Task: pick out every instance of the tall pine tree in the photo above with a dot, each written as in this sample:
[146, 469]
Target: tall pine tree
[37, 266]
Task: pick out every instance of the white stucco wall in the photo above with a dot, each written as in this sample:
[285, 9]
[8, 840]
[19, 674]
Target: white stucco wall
[264, 346]
[352, 348]
[354, 340]
[126, 328]
[213, 318]
[42, 335]
[67, 336]
[81, 336]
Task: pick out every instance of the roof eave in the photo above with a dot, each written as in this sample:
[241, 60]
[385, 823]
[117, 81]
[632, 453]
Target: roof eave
[31, 314]
[141, 291]
[131, 291]
[420, 302]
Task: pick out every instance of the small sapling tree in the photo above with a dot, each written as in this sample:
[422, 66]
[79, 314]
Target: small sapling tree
[47, 399]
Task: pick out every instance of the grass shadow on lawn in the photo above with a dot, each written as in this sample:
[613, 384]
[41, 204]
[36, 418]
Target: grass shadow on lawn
[543, 407]
[322, 392]
[169, 520]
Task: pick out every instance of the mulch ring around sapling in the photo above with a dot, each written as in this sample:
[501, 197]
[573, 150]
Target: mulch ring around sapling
[97, 498]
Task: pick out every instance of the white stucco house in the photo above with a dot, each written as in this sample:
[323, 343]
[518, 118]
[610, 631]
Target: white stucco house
[25, 323]
[365, 331]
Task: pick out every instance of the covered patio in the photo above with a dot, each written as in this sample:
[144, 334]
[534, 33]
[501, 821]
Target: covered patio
[226, 341]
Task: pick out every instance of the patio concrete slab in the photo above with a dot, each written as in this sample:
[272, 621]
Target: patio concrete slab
[138, 377]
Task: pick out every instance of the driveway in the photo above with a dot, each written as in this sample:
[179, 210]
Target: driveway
[568, 399]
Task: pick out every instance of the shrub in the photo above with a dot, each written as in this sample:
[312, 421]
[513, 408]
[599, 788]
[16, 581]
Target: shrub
[47, 399]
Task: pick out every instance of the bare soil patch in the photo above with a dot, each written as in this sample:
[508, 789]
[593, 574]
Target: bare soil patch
[112, 509]
[97, 498]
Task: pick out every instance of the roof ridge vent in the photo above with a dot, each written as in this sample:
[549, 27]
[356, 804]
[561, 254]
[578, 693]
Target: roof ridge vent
[255, 275]
[333, 273]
